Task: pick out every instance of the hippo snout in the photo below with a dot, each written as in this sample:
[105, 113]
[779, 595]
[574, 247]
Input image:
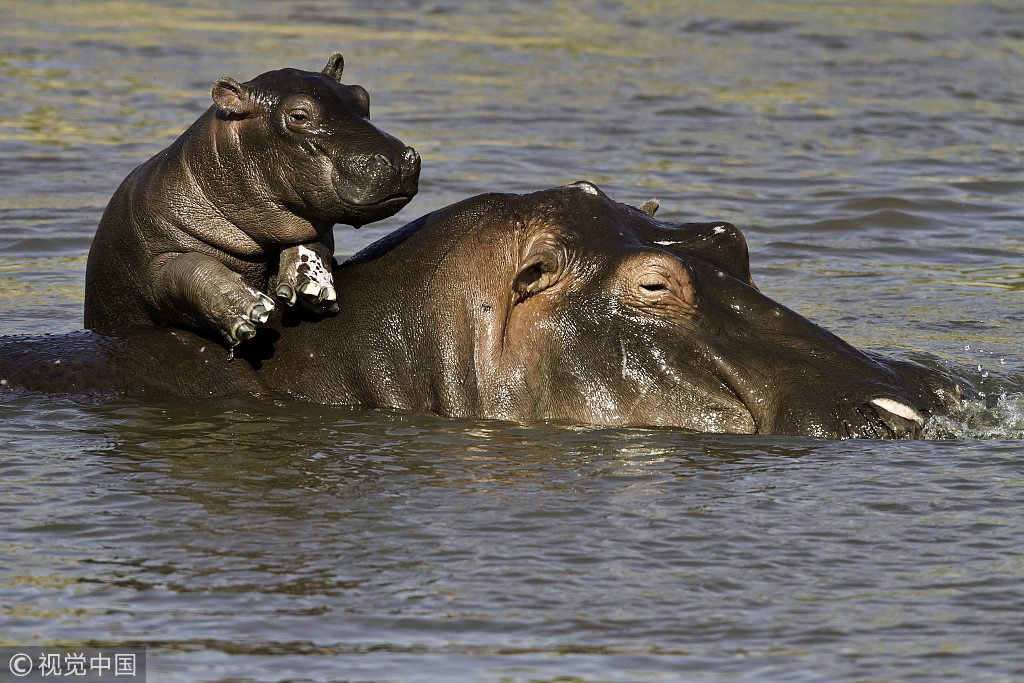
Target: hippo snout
[410, 161]
[389, 177]
[899, 418]
[887, 416]
[407, 164]
[409, 168]
[884, 418]
[897, 405]
[378, 184]
[858, 415]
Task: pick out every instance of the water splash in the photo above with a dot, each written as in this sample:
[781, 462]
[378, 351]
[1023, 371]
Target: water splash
[993, 417]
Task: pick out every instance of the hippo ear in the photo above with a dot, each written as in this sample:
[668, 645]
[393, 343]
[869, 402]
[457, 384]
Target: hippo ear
[538, 272]
[335, 65]
[650, 207]
[232, 99]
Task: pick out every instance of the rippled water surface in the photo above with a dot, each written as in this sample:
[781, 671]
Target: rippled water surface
[871, 152]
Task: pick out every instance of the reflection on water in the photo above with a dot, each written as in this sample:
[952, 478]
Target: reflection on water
[871, 153]
[243, 539]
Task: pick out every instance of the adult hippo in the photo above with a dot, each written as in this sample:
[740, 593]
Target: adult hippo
[559, 305]
[242, 202]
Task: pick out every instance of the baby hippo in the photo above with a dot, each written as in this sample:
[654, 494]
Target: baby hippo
[243, 203]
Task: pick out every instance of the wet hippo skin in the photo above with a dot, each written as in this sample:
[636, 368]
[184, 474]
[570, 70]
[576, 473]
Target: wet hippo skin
[242, 204]
[560, 305]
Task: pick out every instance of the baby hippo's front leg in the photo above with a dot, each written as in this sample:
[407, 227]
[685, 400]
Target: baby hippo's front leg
[198, 291]
[304, 275]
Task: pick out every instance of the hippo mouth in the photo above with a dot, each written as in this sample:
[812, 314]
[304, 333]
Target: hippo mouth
[887, 418]
[862, 414]
[358, 214]
[398, 197]
[386, 187]
[878, 418]
[358, 207]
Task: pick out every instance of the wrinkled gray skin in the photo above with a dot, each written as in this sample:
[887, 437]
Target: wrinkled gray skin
[561, 305]
[244, 202]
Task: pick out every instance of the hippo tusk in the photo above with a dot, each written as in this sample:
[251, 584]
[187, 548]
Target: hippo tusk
[899, 409]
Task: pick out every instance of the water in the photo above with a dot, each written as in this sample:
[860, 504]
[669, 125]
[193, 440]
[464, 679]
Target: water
[872, 153]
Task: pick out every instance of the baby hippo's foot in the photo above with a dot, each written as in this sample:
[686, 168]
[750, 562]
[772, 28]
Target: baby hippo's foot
[305, 276]
[197, 291]
[253, 309]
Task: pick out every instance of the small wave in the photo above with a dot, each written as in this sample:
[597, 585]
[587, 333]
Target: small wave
[988, 418]
[723, 27]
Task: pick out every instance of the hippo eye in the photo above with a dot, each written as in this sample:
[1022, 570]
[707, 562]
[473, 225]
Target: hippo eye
[663, 284]
[300, 118]
[653, 283]
[301, 113]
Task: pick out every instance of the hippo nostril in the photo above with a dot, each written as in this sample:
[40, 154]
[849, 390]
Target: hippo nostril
[378, 162]
[406, 163]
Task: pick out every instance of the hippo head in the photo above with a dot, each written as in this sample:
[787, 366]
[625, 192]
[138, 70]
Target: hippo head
[564, 305]
[303, 141]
